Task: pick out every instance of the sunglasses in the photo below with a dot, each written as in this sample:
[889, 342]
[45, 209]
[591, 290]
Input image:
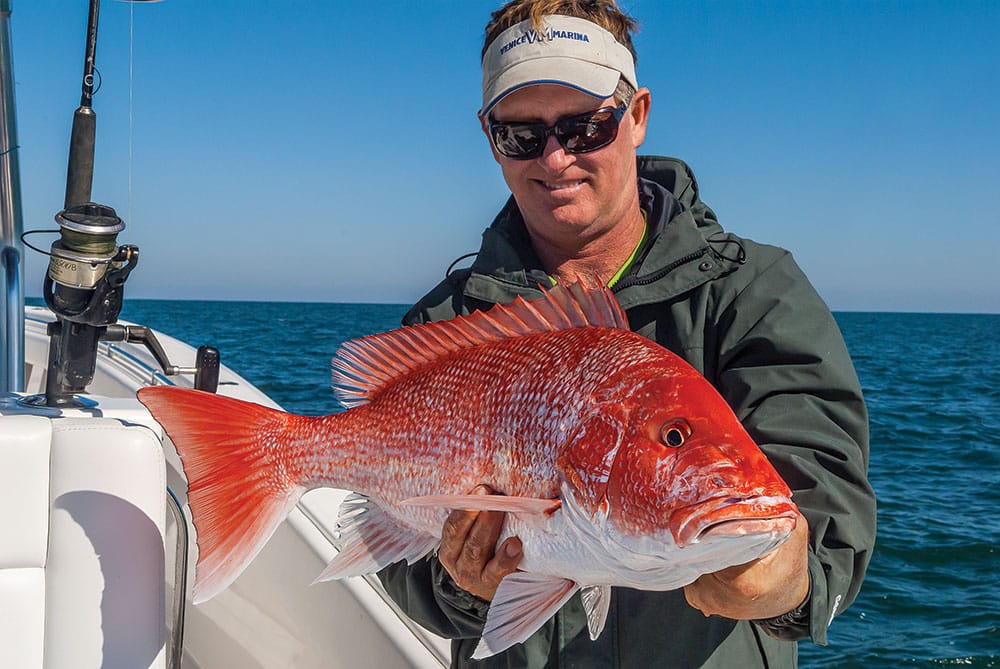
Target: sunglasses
[580, 133]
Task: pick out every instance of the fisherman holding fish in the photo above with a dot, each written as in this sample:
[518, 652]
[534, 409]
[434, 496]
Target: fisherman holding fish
[666, 412]
[564, 115]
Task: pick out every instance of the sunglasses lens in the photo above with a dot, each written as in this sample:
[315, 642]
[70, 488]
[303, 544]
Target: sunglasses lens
[518, 140]
[587, 133]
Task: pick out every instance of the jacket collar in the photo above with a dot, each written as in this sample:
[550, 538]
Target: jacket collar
[678, 255]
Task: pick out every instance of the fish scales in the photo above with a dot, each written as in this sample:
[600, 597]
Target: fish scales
[504, 410]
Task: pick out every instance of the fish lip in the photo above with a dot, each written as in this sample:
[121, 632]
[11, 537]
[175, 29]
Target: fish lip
[732, 516]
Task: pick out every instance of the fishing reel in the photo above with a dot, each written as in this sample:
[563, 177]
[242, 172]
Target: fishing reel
[87, 269]
[84, 287]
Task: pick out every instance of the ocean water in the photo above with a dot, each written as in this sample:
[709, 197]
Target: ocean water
[932, 383]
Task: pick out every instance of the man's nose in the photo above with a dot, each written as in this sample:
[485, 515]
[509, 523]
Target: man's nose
[554, 156]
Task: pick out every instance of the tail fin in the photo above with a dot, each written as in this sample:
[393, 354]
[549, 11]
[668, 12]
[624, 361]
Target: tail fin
[237, 492]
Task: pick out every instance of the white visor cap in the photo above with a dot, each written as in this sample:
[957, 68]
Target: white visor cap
[570, 52]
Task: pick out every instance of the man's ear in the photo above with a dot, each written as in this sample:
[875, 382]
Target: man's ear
[639, 112]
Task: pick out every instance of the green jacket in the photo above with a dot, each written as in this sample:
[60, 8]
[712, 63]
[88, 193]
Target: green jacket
[745, 316]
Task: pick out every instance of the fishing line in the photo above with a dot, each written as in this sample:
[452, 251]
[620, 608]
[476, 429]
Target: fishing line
[24, 239]
[99, 78]
[131, 109]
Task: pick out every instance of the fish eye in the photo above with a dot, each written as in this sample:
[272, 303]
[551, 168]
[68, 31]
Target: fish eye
[675, 433]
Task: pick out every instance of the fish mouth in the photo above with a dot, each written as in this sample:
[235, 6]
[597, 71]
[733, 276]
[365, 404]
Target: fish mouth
[727, 517]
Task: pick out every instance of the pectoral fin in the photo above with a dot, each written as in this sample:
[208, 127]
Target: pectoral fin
[506, 503]
[522, 604]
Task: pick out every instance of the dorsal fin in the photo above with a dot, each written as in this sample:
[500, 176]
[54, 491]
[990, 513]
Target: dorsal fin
[362, 366]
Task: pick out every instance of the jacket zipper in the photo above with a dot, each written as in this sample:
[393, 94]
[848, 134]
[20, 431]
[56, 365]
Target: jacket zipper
[630, 281]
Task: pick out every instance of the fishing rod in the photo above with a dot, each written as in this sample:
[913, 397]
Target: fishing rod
[85, 282]
[80, 170]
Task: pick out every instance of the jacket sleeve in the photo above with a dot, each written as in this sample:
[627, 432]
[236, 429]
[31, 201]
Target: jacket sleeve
[428, 596]
[785, 369]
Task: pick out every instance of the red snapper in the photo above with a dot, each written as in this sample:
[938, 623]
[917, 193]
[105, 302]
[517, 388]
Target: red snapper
[619, 464]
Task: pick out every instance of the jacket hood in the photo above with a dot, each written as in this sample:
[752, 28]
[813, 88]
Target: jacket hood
[676, 177]
[682, 229]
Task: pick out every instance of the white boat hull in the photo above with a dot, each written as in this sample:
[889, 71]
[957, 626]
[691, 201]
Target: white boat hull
[271, 616]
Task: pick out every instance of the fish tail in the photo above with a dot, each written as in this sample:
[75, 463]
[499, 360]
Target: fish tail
[238, 497]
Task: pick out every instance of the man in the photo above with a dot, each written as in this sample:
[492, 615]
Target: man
[564, 115]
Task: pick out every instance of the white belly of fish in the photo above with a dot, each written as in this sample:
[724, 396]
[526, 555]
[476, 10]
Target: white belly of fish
[592, 551]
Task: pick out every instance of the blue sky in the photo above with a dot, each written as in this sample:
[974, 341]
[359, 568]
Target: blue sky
[329, 151]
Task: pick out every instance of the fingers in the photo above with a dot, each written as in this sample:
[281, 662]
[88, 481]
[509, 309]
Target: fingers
[504, 562]
[464, 535]
[468, 550]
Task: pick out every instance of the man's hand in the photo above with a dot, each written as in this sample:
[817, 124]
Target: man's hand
[767, 587]
[468, 550]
